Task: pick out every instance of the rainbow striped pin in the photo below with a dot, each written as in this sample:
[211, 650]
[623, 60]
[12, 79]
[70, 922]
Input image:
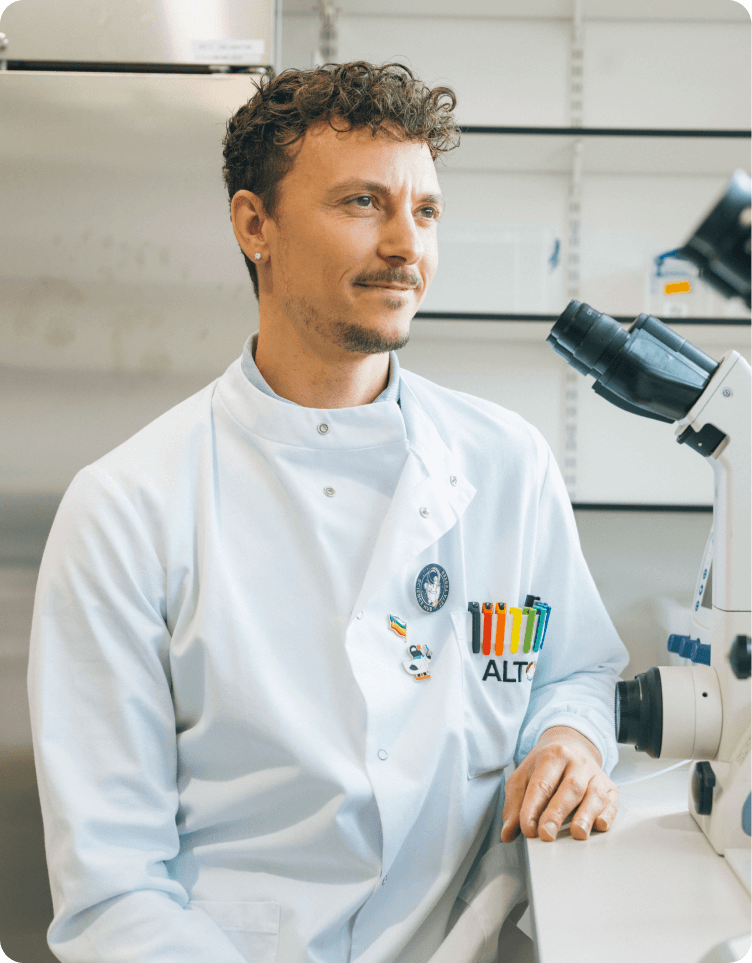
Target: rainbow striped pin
[398, 625]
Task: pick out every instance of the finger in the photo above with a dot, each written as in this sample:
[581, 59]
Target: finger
[605, 820]
[600, 803]
[578, 785]
[514, 793]
[542, 787]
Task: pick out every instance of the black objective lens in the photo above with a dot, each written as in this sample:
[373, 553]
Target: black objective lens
[638, 712]
[648, 370]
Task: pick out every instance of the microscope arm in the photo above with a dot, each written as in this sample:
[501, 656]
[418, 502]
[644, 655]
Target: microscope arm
[724, 409]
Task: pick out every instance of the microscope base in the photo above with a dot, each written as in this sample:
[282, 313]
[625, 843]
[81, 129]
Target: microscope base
[740, 860]
[724, 825]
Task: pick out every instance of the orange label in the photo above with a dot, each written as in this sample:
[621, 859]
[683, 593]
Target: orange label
[677, 287]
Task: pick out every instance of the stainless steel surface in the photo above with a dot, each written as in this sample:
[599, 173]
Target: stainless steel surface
[122, 288]
[142, 31]
[116, 239]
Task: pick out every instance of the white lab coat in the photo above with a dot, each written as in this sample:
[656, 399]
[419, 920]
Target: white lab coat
[233, 764]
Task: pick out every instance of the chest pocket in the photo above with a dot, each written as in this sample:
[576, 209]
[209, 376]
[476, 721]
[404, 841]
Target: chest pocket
[496, 684]
[251, 927]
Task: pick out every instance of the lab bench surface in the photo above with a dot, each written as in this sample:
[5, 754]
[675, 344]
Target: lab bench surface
[652, 889]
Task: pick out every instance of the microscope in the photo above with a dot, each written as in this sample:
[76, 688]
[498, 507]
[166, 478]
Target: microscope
[700, 710]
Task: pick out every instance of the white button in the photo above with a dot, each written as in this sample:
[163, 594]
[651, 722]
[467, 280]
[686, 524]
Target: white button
[453, 480]
[329, 492]
[360, 614]
[322, 428]
[383, 754]
[425, 512]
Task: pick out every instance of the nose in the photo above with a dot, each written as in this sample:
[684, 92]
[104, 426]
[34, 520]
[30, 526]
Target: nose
[401, 238]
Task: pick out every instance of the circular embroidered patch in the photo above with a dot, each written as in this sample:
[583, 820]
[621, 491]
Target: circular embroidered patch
[432, 588]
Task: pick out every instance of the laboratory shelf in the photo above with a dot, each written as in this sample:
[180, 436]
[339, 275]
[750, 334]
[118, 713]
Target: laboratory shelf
[552, 318]
[610, 131]
[604, 150]
[636, 507]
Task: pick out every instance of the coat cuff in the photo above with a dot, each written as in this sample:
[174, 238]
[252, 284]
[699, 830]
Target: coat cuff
[606, 746]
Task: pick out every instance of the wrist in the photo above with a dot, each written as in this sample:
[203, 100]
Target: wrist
[559, 733]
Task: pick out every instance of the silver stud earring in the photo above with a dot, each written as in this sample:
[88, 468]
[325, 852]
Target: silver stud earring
[257, 256]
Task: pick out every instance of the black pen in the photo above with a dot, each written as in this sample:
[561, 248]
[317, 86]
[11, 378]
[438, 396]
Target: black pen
[474, 609]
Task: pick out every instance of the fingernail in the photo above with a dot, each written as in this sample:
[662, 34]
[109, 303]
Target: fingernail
[551, 829]
[583, 826]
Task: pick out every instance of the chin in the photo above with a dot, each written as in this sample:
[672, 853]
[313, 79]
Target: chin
[376, 339]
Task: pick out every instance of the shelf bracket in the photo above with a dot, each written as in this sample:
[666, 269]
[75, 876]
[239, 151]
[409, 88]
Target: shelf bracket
[571, 381]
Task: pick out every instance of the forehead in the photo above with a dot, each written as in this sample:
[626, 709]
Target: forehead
[325, 156]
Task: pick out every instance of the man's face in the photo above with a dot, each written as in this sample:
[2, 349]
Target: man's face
[353, 243]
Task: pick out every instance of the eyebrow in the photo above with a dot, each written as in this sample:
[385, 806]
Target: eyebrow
[373, 187]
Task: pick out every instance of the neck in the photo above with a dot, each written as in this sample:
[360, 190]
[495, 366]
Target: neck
[315, 373]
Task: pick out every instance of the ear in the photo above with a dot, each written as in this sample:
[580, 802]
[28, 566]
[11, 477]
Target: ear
[248, 219]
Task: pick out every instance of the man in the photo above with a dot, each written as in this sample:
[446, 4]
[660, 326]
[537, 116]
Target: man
[259, 736]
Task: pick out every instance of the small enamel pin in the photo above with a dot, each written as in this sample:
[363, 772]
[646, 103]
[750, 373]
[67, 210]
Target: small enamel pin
[398, 625]
[419, 662]
[432, 588]
[420, 655]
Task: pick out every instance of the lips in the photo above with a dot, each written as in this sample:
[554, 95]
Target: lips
[390, 287]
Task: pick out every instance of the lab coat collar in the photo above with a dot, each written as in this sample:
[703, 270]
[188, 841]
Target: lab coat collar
[431, 496]
[364, 426]
[432, 492]
[252, 373]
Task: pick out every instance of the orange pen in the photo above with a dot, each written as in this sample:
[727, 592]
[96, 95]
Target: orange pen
[487, 618]
[501, 624]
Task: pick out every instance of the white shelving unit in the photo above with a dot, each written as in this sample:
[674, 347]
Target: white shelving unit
[502, 283]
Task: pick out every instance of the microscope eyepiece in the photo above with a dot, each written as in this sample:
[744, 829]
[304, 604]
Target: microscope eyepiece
[638, 712]
[648, 370]
[583, 337]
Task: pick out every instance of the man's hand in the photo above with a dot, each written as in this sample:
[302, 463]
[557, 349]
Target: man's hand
[561, 773]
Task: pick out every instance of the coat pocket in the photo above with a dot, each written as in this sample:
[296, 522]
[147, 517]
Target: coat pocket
[496, 694]
[252, 927]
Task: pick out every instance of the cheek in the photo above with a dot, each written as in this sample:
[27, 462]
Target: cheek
[321, 258]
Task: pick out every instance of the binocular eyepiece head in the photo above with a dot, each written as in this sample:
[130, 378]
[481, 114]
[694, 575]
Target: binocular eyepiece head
[647, 370]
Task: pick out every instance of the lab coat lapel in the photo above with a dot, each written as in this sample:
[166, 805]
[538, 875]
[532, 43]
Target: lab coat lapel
[426, 503]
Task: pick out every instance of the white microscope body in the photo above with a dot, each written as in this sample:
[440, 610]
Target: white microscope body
[700, 710]
[706, 709]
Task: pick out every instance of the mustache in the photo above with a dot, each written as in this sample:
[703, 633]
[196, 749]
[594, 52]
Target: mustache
[391, 277]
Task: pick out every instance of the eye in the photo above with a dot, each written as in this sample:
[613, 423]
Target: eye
[434, 214]
[368, 197]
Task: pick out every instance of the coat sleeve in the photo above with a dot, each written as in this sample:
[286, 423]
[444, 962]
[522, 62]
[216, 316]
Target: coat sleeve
[103, 729]
[582, 655]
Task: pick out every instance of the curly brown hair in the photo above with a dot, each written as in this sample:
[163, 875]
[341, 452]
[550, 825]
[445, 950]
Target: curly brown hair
[361, 94]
